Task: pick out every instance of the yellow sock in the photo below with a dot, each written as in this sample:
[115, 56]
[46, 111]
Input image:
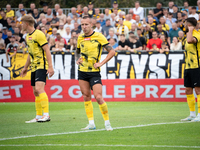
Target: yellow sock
[44, 102]
[38, 106]
[198, 103]
[89, 110]
[191, 102]
[104, 111]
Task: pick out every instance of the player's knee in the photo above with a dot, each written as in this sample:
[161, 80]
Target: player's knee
[197, 90]
[98, 97]
[188, 91]
[86, 97]
[38, 89]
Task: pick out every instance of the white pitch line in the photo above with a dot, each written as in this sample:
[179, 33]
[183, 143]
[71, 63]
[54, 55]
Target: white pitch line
[75, 132]
[98, 145]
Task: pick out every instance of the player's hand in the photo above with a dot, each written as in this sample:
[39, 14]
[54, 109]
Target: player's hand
[79, 61]
[50, 71]
[23, 73]
[97, 65]
[190, 28]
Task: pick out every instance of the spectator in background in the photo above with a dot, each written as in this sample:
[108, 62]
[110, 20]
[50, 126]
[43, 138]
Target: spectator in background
[164, 48]
[101, 19]
[58, 38]
[132, 15]
[194, 14]
[113, 43]
[165, 13]
[134, 45]
[52, 43]
[141, 38]
[2, 47]
[151, 26]
[76, 29]
[170, 4]
[73, 44]
[154, 40]
[175, 11]
[55, 21]
[122, 44]
[173, 33]
[165, 26]
[9, 22]
[18, 12]
[45, 8]
[5, 33]
[112, 35]
[138, 10]
[39, 20]
[53, 35]
[1, 39]
[36, 14]
[152, 14]
[17, 31]
[175, 45]
[79, 9]
[98, 27]
[3, 21]
[49, 15]
[90, 9]
[85, 12]
[67, 34]
[62, 17]
[155, 48]
[94, 21]
[138, 21]
[161, 31]
[106, 15]
[164, 39]
[133, 29]
[179, 16]
[170, 20]
[11, 47]
[61, 29]
[158, 11]
[127, 21]
[121, 29]
[182, 39]
[13, 25]
[69, 24]
[31, 10]
[112, 19]
[189, 10]
[106, 27]
[115, 7]
[44, 30]
[73, 12]
[186, 5]
[56, 7]
[9, 13]
[23, 12]
[96, 13]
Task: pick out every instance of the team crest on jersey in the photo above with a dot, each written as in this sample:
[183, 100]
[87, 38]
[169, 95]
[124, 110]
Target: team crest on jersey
[87, 39]
[30, 38]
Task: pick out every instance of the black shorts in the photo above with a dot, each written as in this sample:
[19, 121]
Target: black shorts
[192, 78]
[91, 77]
[38, 75]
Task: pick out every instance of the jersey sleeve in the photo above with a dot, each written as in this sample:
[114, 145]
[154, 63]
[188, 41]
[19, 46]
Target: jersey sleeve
[102, 40]
[41, 39]
[197, 36]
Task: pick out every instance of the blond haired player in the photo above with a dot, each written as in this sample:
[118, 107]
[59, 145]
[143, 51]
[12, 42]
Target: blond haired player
[89, 46]
[41, 64]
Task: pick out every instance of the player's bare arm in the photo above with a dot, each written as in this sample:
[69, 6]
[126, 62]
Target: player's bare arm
[24, 70]
[111, 53]
[79, 60]
[50, 70]
[190, 38]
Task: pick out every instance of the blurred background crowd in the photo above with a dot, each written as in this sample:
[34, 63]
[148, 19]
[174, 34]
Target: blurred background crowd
[160, 29]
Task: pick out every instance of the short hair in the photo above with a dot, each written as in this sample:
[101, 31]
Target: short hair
[122, 35]
[29, 19]
[163, 43]
[86, 17]
[193, 7]
[154, 45]
[192, 21]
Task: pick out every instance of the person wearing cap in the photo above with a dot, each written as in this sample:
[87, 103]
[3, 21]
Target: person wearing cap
[18, 13]
[175, 11]
[44, 8]
[91, 9]
[194, 14]
[115, 7]
[11, 47]
[138, 10]
[9, 13]
[192, 69]
[23, 13]
[13, 25]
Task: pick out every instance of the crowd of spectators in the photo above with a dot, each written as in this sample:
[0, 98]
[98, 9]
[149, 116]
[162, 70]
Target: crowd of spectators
[162, 30]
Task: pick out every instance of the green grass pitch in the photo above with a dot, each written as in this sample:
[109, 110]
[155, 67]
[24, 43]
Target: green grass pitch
[137, 125]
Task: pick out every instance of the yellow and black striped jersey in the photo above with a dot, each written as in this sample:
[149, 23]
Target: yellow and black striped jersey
[193, 52]
[91, 49]
[35, 41]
